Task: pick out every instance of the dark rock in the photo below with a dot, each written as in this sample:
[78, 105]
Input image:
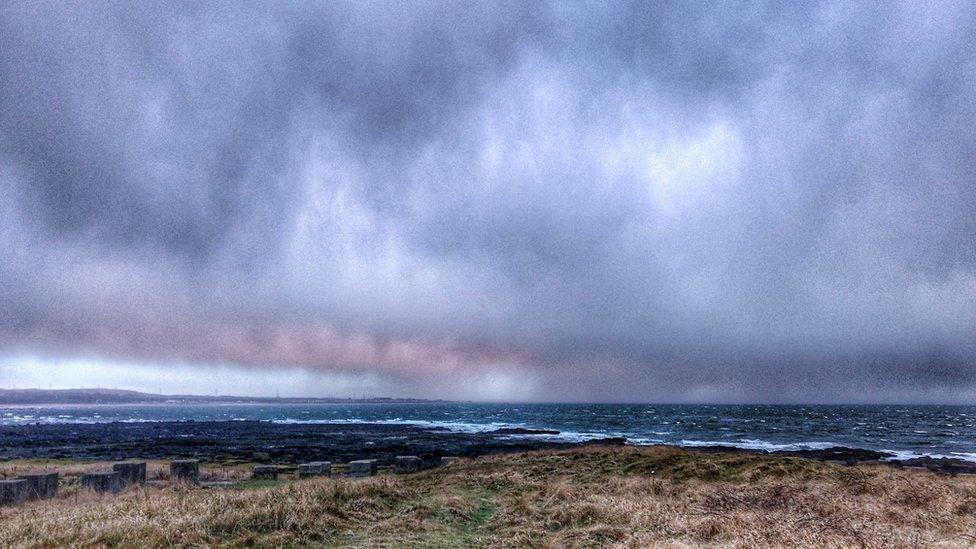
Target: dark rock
[523, 431]
[299, 443]
[954, 469]
[240, 440]
[942, 466]
[720, 449]
[609, 441]
[850, 456]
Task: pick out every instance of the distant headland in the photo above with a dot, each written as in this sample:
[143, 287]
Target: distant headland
[121, 396]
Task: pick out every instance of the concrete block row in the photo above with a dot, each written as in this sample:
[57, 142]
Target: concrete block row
[29, 487]
[44, 485]
[358, 468]
[123, 473]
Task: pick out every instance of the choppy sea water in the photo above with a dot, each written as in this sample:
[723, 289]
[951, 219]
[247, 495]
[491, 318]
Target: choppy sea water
[907, 431]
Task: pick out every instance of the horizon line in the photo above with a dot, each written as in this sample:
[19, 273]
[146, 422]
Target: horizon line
[475, 401]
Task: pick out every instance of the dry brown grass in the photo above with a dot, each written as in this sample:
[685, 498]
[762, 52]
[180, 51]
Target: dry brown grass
[622, 497]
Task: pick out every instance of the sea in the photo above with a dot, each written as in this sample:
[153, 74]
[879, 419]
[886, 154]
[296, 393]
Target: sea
[905, 431]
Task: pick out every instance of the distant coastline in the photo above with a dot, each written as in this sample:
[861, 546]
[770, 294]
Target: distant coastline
[14, 397]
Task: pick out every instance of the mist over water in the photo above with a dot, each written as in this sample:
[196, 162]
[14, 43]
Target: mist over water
[904, 430]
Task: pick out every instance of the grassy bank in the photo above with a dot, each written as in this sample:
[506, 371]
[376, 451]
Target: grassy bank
[586, 497]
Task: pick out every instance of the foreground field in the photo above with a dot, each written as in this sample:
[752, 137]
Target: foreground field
[586, 497]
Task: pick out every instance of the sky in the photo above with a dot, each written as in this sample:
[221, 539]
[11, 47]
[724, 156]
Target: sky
[525, 201]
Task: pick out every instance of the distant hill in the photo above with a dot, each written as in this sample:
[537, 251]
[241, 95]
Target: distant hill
[120, 396]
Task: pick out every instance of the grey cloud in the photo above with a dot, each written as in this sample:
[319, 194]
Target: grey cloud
[662, 200]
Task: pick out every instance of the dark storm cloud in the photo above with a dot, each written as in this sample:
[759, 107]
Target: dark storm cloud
[629, 201]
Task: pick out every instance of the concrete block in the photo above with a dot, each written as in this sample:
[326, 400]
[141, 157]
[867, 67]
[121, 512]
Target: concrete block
[408, 464]
[447, 460]
[41, 485]
[315, 469]
[131, 472]
[102, 481]
[185, 470]
[265, 472]
[361, 468]
[13, 491]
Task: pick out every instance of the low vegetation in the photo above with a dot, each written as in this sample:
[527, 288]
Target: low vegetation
[624, 497]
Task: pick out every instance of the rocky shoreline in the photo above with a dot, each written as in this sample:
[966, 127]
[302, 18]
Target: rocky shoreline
[244, 441]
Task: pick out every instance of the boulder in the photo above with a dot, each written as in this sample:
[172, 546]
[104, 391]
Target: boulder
[609, 441]
[13, 491]
[361, 468]
[265, 472]
[524, 431]
[949, 466]
[41, 485]
[447, 460]
[185, 470]
[314, 469]
[102, 481]
[408, 464]
[131, 472]
[954, 470]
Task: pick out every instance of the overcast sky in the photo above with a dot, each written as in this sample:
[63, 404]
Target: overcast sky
[608, 201]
